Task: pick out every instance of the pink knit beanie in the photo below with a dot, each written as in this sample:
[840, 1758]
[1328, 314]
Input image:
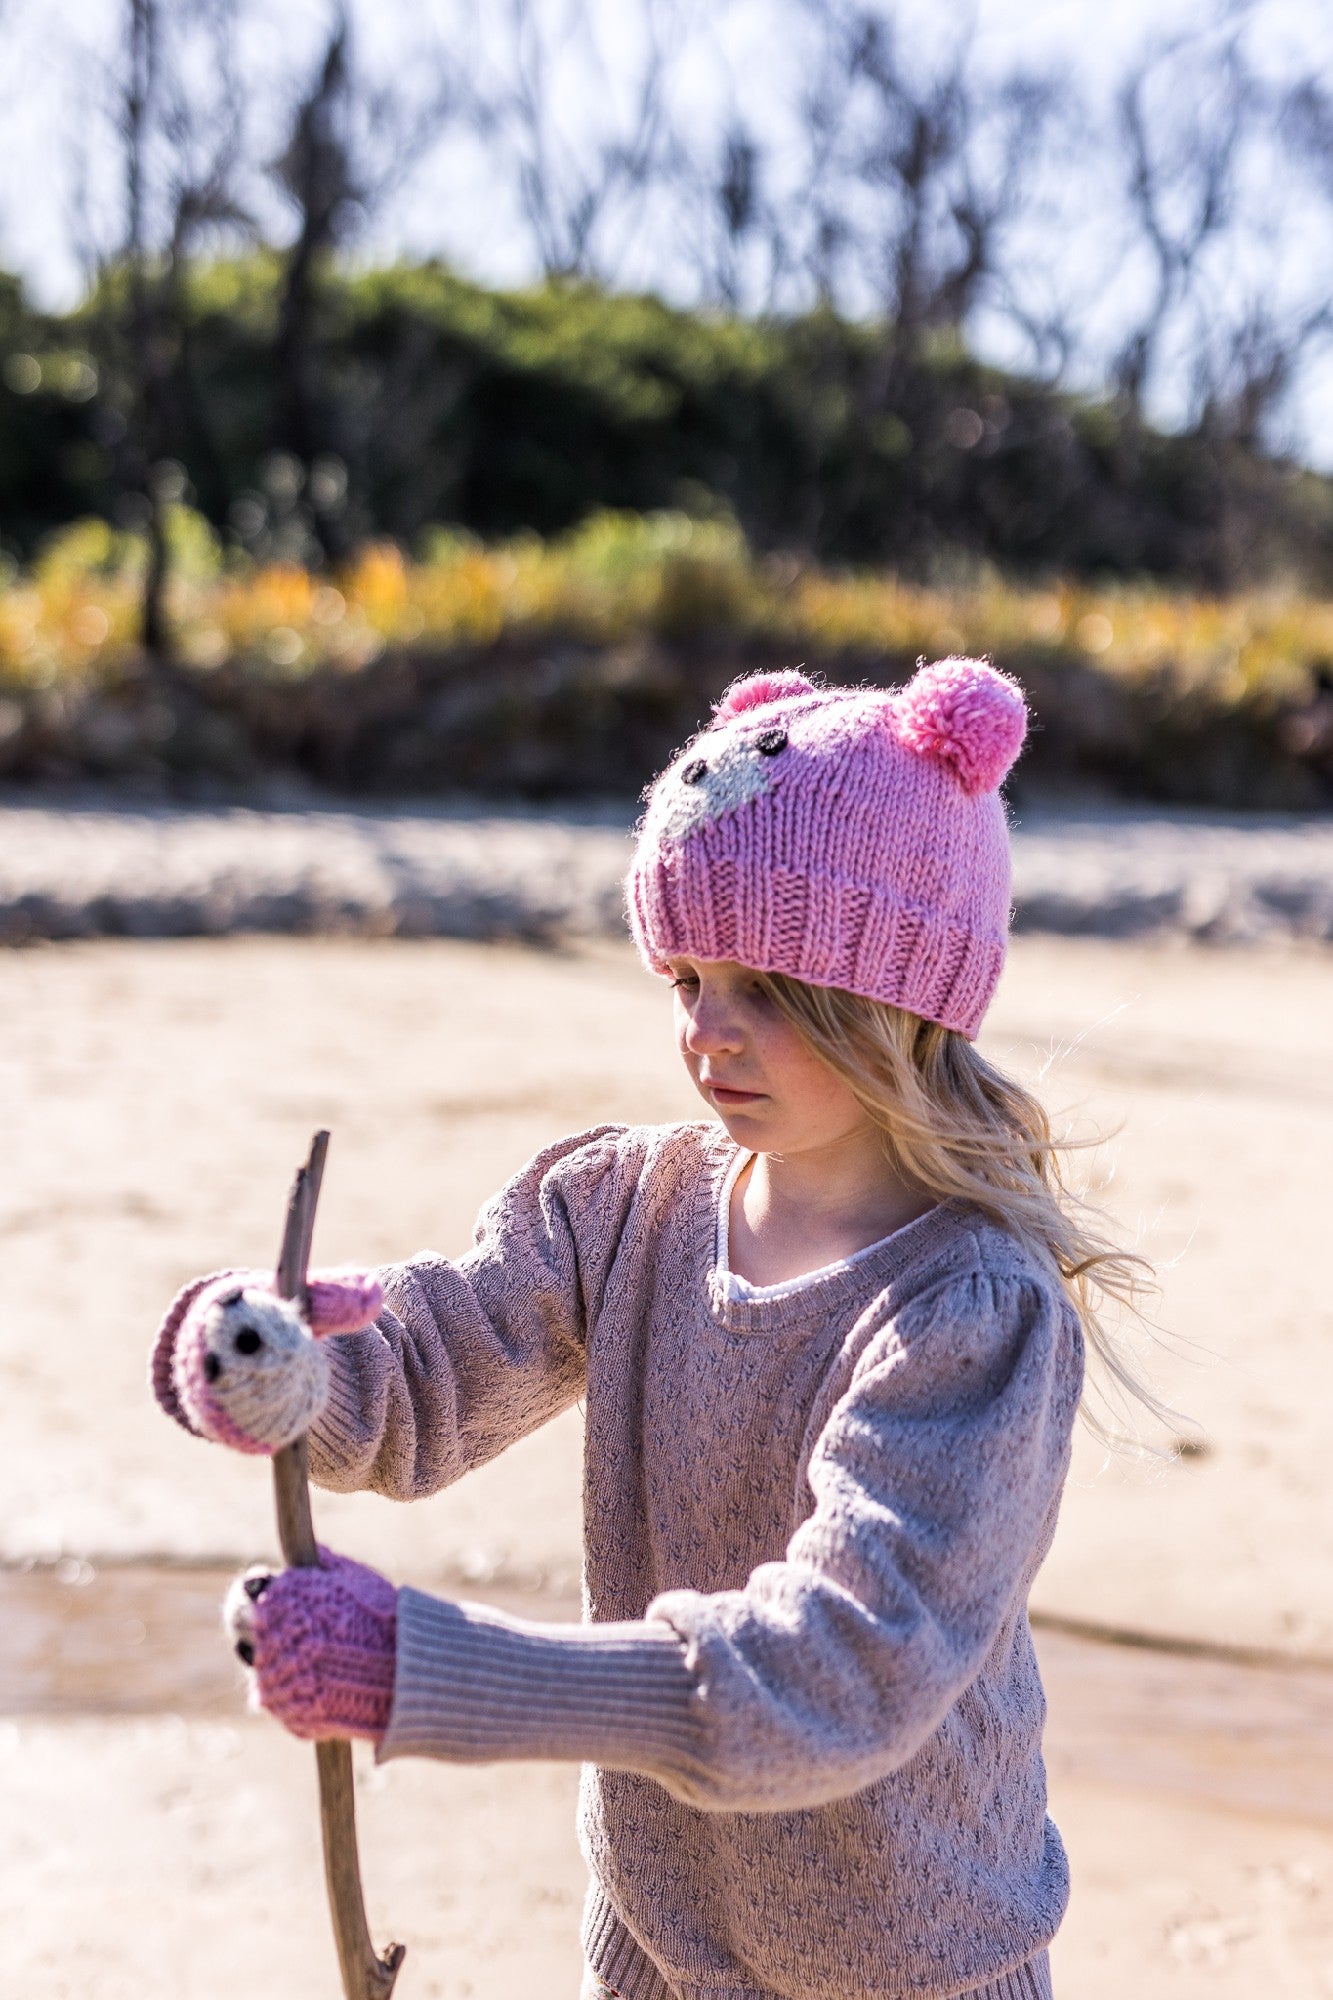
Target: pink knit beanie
[849, 837]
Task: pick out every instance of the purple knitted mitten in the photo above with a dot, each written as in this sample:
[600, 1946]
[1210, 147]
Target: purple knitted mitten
[322, 1643]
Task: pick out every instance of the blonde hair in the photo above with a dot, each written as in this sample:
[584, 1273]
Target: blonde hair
[958, 1128]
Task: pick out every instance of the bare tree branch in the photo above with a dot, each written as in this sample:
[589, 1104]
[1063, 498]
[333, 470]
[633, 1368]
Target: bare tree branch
[1211, 155]
[914, 173]
[1181, 165]
[573, 189]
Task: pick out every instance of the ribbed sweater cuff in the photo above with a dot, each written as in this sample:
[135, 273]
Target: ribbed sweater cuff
[337, 1438]
[473, 1685]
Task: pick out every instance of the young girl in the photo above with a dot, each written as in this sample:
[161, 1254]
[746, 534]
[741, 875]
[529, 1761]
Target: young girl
[830, 1344]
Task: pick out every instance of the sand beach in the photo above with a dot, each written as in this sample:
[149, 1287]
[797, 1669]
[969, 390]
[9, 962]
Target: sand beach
[157, 1094]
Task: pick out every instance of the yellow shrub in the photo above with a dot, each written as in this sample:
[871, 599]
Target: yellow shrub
[75, 613]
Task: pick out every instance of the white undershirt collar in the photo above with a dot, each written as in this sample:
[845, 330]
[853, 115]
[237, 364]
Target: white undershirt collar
[736, 1287]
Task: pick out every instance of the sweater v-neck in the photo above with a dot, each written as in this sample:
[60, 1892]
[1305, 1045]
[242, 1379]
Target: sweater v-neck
[791, 1304]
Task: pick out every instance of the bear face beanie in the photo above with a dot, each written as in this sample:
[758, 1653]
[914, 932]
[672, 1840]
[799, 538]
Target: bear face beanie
[849, 837]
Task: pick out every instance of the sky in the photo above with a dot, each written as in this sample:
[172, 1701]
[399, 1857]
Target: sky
[49, 52]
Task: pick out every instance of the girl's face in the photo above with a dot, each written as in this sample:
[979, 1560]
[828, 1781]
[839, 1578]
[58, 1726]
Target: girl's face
[745, 1058]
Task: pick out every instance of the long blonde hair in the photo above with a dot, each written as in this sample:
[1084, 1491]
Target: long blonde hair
[958, 1128]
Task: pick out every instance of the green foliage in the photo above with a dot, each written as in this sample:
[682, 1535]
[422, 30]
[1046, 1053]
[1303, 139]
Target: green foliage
[675, 576]
[87, 549]
[92, 548]
[53, 461]
[437, 403]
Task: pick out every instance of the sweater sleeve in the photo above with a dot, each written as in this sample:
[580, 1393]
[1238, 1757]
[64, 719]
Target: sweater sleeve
[935, 1478]
[935, 1481]
[467, 1357]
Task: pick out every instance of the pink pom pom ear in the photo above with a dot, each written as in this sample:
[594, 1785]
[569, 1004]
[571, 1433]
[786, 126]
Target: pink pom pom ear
[966, 714]
[343, 1302]
[757, 690]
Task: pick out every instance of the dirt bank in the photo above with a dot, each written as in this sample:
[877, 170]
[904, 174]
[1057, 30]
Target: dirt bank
[78, 866]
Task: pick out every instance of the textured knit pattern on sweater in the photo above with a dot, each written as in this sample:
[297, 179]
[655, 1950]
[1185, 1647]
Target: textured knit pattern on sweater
[845, 836]
[805, 1692]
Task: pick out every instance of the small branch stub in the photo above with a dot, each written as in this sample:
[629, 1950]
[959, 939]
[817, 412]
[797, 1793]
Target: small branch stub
[365, 1975]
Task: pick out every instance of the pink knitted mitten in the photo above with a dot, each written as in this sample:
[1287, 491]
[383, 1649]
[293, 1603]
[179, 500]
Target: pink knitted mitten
[322, 1644]
[234, 1363]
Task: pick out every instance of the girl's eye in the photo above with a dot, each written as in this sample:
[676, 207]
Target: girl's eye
[684, 979]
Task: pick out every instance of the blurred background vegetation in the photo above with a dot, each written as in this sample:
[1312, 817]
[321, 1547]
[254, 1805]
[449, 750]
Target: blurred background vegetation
[269, 504]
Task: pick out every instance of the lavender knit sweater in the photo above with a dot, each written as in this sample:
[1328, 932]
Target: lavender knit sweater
[805, 1693]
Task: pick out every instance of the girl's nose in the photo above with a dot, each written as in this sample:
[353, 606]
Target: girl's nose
[711, 1028]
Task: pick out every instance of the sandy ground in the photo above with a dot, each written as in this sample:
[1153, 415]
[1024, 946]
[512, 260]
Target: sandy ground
[154, 1099]
[163, 1856]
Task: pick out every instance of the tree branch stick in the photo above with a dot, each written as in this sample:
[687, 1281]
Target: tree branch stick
[365, 1975]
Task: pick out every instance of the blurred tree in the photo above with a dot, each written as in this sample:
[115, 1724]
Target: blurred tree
[852, 251]
[1210, 154]
[1205, 136]
[916, 172]
[922, 171]
[351, 143]
[1180, 180]
[728, 191]
[173, 110]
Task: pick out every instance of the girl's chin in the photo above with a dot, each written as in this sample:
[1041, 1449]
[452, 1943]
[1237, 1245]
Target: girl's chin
[743, 1121]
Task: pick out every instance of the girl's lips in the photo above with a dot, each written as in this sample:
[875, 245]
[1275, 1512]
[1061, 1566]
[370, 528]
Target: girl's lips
[725, 1095]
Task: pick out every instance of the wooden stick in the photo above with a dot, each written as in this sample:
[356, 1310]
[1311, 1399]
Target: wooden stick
[365, 1975]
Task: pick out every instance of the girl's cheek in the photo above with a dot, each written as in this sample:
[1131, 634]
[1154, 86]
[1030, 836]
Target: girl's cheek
[781, 1047]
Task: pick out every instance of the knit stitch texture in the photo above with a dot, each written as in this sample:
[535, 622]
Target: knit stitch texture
[324, 1643]
[637, 1978]
[805, 1692]
[845, 836]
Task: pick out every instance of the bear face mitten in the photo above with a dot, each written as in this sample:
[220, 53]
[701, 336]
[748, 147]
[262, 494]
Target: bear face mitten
[235, 1363]
[321, 1645]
